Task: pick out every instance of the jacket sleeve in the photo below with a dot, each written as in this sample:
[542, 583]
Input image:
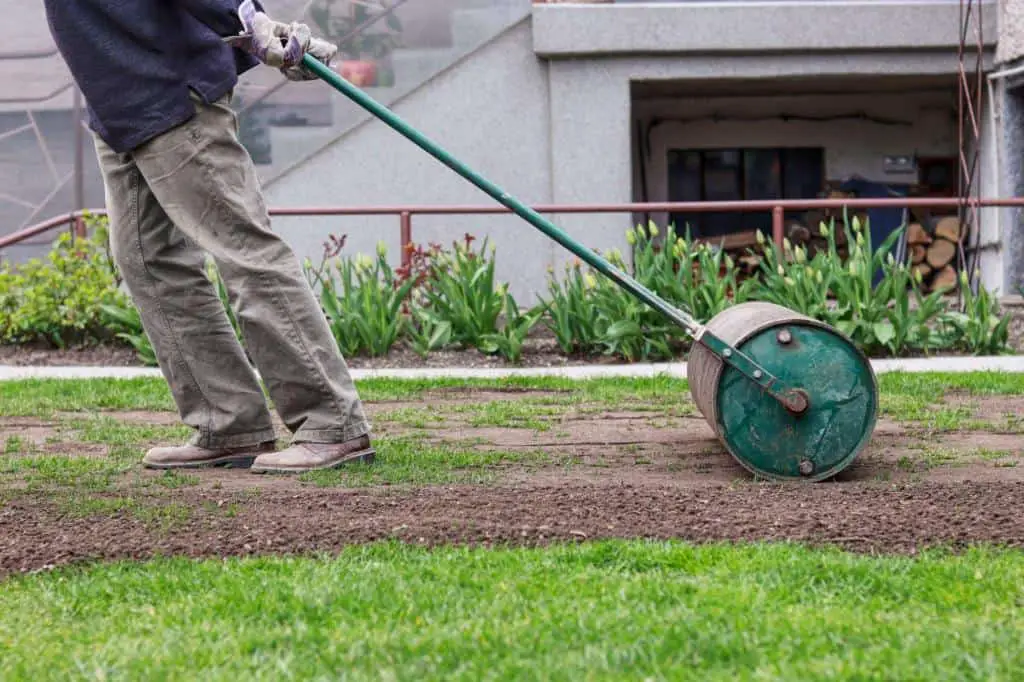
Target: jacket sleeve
[220, 15]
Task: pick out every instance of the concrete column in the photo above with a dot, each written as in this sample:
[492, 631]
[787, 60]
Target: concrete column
[1012, 224]
[591, 157]
[990, 184]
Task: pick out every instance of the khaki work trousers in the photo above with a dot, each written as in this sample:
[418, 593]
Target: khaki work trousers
[194, 191]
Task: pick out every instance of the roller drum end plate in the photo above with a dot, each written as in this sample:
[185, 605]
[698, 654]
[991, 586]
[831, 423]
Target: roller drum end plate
[840, 385]
[766, 438]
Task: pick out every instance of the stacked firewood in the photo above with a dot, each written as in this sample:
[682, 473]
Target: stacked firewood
[932, 252]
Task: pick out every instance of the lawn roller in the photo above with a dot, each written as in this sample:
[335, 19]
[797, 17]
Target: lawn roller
[789, 397]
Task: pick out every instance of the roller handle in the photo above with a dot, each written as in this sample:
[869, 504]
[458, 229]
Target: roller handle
[789, 398]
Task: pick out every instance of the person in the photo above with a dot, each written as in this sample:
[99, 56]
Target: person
[157, 77]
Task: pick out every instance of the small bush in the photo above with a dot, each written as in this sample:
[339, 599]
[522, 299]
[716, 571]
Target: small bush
[979, 329]
[362, 299]
[588, 313]
[59, 300]
[879, 319]
[572, 315]
[457, 301]
[694, 276]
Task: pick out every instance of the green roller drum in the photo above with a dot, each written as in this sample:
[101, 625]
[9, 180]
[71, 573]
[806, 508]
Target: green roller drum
[789, 397]
[764, 436]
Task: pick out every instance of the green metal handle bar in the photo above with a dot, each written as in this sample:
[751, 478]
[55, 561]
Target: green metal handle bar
[794, 401]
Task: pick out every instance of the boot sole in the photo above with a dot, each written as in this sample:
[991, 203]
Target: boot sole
[239, 461]
[361, 457]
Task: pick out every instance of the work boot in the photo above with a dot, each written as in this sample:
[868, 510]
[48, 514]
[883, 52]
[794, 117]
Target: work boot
[193, 456]
[303, 457]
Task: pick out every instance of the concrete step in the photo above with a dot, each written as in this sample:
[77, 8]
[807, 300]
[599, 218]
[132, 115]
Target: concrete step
[473, 23]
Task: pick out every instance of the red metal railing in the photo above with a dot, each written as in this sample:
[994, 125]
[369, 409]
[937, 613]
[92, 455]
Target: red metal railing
[405, 214]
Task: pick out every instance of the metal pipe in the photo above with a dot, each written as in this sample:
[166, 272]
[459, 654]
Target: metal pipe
[27, 54]
[1006, 73]
[778, 223]
[405, 236]
[757, 206]
[39, 228]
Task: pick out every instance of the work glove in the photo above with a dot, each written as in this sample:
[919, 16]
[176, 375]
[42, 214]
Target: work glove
[278, 44]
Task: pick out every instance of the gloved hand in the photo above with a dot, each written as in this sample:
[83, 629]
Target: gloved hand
[278, 44]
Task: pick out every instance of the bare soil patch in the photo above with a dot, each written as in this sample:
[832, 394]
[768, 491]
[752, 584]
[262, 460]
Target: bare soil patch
[606, 473]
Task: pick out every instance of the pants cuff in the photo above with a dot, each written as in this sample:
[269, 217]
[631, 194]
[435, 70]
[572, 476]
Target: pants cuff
[214, 441]
[338, 435]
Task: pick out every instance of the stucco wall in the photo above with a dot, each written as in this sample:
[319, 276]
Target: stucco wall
[753, 27]
[1011, 30]
[492, 112]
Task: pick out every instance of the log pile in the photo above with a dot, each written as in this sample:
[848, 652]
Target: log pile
[933, 253]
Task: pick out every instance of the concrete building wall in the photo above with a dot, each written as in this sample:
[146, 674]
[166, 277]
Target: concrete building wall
[1011, 31]
[492, 112]
[571, 30]
[561, 131]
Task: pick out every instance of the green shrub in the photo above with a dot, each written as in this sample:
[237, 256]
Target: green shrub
[979, 328]
[589, 313]
[363, 301]
[694, 276]
[879, 319]
[459, 287]
[572, 314]
[59, 300]
[459, 302]
[426, 331]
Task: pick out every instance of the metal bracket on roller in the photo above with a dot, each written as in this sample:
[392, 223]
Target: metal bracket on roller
[793, 399]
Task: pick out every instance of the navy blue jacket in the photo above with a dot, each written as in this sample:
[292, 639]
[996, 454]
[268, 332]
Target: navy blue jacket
[135, 60]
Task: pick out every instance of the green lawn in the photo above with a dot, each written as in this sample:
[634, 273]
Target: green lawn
[621, 610]
[602, 611]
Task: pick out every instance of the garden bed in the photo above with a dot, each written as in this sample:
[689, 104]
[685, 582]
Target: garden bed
[447, 308]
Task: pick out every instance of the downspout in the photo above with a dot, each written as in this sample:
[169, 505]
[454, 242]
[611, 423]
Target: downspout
[998, 140]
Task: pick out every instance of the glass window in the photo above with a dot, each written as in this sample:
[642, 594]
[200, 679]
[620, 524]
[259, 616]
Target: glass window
[741, 175]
